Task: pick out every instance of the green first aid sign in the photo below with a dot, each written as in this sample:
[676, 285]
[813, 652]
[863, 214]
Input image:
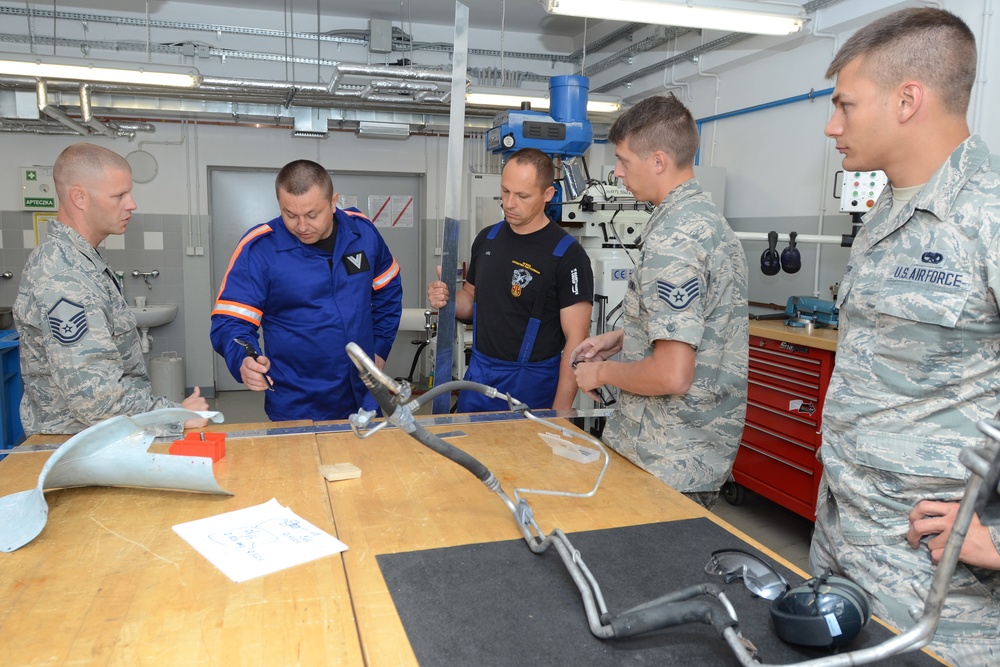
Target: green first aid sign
[38, 190]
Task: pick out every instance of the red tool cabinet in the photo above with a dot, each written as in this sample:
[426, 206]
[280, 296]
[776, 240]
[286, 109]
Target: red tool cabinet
[777, 454]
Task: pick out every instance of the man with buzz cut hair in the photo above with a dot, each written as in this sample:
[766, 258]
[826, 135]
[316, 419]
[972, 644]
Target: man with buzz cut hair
[315, 279]
[81, 360]
[682, 369]
[918, 356]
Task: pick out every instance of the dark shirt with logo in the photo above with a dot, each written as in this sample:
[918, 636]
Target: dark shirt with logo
[508, 273]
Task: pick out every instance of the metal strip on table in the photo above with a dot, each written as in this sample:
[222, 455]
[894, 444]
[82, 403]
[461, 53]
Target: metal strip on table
[321, 429]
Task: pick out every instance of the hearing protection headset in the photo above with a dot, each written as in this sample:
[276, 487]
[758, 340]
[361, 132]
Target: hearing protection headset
[769, 261]
[791, 262]
[826, 611]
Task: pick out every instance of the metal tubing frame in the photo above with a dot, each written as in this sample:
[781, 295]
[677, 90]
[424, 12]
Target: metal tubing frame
[595, 608]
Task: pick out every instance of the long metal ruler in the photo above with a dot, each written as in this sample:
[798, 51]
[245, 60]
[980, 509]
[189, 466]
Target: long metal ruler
[443, 361]
[429, 421]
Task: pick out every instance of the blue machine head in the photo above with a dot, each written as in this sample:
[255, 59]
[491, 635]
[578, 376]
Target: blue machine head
[562, 132]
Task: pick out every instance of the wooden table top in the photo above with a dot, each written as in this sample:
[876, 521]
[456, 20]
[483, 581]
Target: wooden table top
[108, 582]
[823, 339]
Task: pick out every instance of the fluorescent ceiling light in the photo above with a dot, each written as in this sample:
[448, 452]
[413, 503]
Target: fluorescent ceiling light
[539, 99]
[757, 17]
[383, 130]
[98, 71]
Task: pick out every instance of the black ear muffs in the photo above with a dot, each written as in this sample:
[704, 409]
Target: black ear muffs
[827, 611]
[770, 264]
[791, 261]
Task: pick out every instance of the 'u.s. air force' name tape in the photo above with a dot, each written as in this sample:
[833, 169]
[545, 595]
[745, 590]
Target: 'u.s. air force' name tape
[922, 274]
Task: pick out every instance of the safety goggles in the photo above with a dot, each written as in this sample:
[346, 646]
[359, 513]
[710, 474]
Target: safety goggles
[760, 578]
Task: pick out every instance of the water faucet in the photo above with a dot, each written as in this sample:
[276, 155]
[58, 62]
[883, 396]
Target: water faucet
[6, 275]
[146, 275]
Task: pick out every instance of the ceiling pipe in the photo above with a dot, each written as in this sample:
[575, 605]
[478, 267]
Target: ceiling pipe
[341, 70]
[36, 128]
[87, 116]
[119, 129]
[52, 112]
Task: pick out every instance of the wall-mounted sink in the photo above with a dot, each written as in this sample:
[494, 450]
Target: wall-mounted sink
[154, 316]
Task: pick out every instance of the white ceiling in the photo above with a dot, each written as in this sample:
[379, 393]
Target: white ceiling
[517, 15]
[262, 78]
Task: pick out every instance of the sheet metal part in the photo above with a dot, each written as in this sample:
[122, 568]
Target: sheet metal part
[113, 452]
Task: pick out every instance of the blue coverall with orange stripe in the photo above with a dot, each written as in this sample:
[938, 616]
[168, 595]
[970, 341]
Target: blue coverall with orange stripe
[310, 304]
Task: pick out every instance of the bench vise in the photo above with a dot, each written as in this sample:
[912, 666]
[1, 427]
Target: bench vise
[802, 309]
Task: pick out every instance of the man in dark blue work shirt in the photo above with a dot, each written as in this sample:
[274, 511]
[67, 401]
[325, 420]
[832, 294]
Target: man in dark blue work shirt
[528, 291]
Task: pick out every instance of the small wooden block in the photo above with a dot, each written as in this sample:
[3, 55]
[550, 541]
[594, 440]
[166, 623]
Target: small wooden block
[339, 471]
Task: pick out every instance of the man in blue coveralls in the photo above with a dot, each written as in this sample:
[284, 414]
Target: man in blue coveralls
[316, 278]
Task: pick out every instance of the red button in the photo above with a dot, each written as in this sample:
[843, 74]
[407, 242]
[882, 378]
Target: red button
[870, 203]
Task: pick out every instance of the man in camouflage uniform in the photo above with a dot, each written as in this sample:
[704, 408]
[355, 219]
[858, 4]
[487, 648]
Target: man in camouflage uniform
[917, 360]
[684, 347]
[80, 356]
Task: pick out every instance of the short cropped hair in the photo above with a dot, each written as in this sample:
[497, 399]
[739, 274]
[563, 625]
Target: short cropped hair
[923, 44]
[298, 177]
[83, 163]
[659, 123]
[545, 171]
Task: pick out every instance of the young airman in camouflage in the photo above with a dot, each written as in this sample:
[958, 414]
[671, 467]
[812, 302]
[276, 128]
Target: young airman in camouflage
[917, 361]
[81, 361]
[684, 346]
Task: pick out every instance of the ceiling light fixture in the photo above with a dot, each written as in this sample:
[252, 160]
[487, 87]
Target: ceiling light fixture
[309, 123]
[539, 99]
[98, 71]
[383, 130]
[758, 17]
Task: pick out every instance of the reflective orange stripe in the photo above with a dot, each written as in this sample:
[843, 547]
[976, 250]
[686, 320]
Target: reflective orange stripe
[240, 310]
[383, 280]
[264, 229]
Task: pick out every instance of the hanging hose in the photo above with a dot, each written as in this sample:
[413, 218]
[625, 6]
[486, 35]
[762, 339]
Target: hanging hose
[421, 344]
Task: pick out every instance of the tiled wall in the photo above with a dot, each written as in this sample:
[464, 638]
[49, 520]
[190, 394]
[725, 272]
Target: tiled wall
[150, 242]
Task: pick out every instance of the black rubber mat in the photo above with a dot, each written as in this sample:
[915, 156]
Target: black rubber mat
[501, 604]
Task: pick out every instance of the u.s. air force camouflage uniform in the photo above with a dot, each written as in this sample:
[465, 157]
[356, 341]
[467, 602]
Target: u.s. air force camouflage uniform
[918, 364]
[689, 285]
[80, 356]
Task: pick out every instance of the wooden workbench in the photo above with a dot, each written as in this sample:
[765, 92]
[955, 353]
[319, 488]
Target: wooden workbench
[108, 582]
[820, 338]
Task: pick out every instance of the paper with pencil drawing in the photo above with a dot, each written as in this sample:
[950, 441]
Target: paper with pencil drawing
[258, 540]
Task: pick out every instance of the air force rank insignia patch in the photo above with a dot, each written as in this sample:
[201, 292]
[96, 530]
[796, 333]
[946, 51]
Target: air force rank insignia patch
[678, 298]
[68, 322]
[355, 263]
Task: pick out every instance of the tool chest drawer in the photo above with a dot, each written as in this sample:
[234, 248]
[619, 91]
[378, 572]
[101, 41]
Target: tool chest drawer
[780, 442]
[785, 393]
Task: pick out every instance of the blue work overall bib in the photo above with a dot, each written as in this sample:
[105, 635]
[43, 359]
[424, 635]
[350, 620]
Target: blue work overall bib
[531, 382]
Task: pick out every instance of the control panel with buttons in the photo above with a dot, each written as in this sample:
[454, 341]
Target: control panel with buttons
[860, 190]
